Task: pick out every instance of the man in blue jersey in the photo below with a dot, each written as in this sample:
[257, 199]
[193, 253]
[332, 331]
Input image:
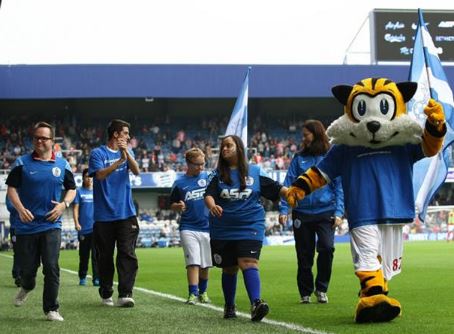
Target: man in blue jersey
[115, 214]
[83, 222]
[237, 222]
[35, 190]
[187, 198]
[12, 233]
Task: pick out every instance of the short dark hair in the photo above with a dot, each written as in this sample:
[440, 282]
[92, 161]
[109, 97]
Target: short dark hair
[116, 125]
[44, 125]
[84, 172]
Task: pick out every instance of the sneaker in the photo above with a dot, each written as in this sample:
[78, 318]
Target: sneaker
[83, 281]
[259, 310]
[125, 302]
[54, 316]
[192, 299]
[204, 299]
[21, 297]
[229, 311]
[17, 282]
[96, 282]
[107, 301]
[321, 297]
[305, 300]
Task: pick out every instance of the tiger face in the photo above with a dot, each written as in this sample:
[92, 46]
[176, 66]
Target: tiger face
[375, 114]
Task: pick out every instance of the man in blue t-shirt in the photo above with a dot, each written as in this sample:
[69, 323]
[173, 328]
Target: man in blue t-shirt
[187, 199]
[115, 214]
[35, 190]
[83, 222]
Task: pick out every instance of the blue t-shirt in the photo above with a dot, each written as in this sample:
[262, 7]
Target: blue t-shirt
[38, 183]
[243, 216]
[377, 183]
[327, 199]
[84, 197]
[112, 196]
[190, 190]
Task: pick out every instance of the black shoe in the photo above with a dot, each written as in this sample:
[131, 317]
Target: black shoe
[17, 281]
[229, 311]
[259, 310]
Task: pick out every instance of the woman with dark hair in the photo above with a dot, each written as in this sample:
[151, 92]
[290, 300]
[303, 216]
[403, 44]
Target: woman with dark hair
[237, 222]
[315, 218]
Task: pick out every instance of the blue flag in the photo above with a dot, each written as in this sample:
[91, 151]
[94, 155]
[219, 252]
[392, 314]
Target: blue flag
[429, 173]
[238, 120]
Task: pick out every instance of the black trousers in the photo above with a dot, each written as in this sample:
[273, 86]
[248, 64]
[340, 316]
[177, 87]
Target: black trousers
[16, 268]
[87, 246]
[123, 234]
[41, 247]
[312, 233]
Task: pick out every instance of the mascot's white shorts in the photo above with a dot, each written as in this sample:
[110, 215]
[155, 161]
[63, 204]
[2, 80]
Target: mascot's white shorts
[196, 248]
[377, 247]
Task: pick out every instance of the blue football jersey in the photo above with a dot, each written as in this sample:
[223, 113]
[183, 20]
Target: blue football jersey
[190, 190]
[84, 198]
[112, 197]
[243, 216]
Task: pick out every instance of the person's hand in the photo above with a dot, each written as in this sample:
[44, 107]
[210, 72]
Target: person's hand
[123, 146]
[216, 211]
[56, 212]
[181, 206]
[77, 226]
[435, 114]
[337, 222]
[295, 194]
[26, 216]
[283, 219]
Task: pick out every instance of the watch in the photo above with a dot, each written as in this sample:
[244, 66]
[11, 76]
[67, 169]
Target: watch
[67, 204]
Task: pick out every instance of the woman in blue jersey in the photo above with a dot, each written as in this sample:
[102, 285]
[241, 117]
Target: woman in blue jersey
[187, 199]
[315, 218]
[237, 222]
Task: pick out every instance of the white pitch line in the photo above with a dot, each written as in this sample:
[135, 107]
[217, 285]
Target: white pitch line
[287, 325]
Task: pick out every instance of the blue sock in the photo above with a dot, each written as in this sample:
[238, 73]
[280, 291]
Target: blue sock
[252, 282]
[203, 284]
[194, 289]
[229, 288]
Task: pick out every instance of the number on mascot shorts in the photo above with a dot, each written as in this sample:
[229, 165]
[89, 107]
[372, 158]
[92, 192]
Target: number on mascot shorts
[397, 263]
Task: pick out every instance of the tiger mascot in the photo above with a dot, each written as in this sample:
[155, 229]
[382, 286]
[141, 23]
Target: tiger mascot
[375, 144]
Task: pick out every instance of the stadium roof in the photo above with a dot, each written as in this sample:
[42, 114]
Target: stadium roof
[185, 81]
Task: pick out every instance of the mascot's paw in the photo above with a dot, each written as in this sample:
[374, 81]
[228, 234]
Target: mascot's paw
[295, 194]
[434, 112]
[377, 308]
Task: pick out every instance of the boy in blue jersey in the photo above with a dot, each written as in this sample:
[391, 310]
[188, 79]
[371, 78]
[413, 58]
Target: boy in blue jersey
[35, 189]
[83, 222]
[187, 198]
[115, 214]
[12, 233]
[237, 222]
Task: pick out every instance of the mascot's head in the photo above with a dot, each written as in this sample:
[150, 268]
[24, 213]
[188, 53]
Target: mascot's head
[375, 114]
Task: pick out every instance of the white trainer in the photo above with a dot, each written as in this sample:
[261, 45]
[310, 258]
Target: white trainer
[107, 301]
[54, 316]
[125, 302]
[21, 297]
[321, 297]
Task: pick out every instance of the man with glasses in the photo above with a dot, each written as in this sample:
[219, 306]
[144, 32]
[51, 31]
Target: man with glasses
[187, 198]
[35, 190]
[115, 214]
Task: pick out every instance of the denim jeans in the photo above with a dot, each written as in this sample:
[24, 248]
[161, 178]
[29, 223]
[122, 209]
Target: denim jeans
[33, 249]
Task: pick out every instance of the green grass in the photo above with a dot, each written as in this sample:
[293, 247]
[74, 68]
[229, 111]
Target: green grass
[425, 289]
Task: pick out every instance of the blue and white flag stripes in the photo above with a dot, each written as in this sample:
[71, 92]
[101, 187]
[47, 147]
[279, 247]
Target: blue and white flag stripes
[429, 173]
[238, 120]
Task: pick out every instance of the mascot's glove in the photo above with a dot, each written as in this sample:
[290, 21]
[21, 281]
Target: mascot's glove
[295, 194]
[435, 114]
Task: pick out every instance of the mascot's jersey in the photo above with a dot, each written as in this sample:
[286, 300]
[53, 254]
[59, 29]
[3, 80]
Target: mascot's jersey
[384, 174]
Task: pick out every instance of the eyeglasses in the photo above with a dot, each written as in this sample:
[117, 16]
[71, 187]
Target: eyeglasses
[41, 139]
[197, 165]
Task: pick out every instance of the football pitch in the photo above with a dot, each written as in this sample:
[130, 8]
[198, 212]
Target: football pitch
[425, 288]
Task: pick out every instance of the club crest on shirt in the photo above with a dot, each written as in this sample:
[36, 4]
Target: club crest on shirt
[202, 182]
[217, 258]
[56, 171]
[249, 181]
